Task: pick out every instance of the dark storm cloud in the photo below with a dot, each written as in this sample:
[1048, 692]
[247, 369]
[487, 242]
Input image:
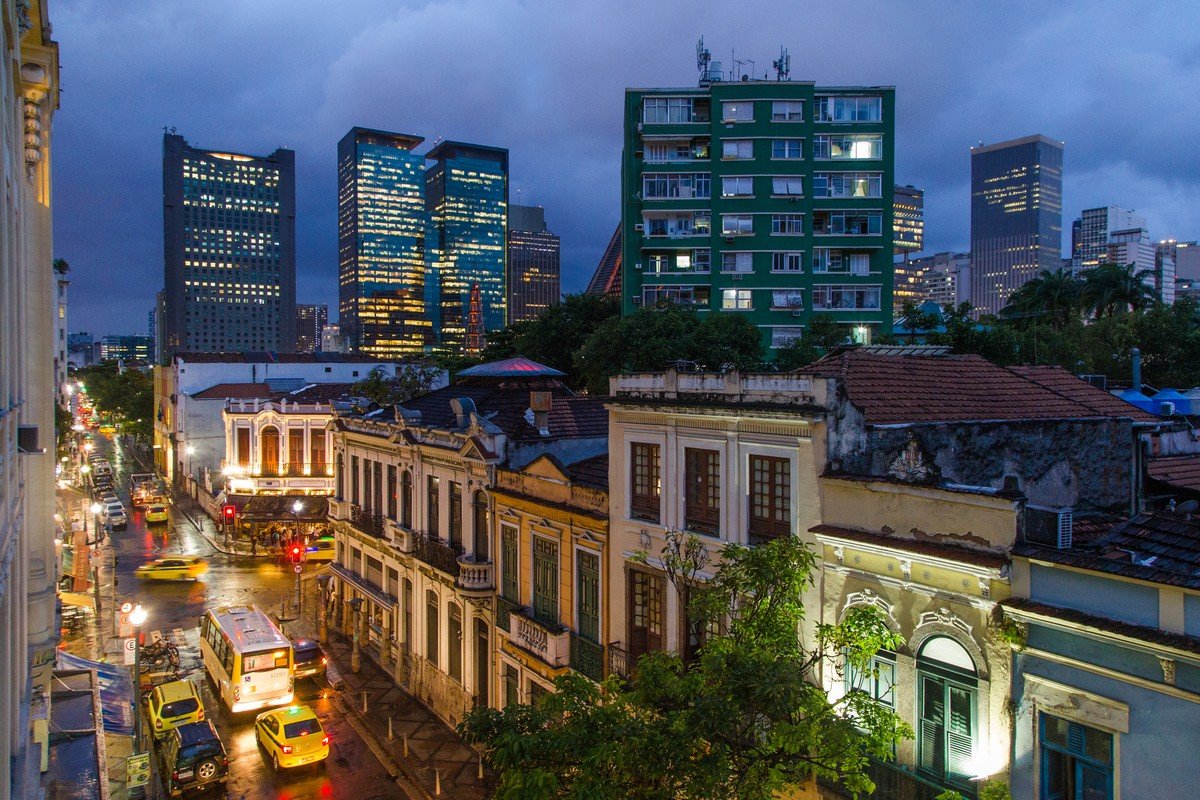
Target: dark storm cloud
[546, 80]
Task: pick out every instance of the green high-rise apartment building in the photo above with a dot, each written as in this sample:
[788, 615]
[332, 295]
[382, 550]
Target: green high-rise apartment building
[769, 198]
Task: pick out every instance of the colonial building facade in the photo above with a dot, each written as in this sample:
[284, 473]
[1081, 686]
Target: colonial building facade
[414, 513]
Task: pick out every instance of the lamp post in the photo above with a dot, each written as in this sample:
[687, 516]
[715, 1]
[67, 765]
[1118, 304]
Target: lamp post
[356, 648]
[297, 507]
[323, 611]
[136, 618]
[95, 508]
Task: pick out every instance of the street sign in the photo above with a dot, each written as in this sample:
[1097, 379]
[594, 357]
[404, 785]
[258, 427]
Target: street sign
[126, 607]
[129, 649]
[124, 626]
[137, 770]
[298, 568]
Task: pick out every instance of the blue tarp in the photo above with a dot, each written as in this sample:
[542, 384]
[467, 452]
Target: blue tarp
[116, 691]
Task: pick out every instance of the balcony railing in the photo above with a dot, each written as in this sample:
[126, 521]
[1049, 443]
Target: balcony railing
[619, 662]
[894, 783]
[400, 536]
[339, 509]
[505, 609]
[587, 657]
[367, 521]
[552, 644]
[436, 553]
[475, 576]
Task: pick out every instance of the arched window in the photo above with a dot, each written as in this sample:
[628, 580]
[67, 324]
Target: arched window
[269, 450]
[406, 498]
[479, 507]
[948, 724]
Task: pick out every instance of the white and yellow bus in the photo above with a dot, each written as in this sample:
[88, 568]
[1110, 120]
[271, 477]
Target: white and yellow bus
[247, 657]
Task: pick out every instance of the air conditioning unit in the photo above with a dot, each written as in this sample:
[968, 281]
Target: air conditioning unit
[797, 313]
[639, 226]
[637, 301]
[794, 200]
[737, 277]
[728, 240]
[638, 153]
[1052, 527]
[638, 265]
[639, 127]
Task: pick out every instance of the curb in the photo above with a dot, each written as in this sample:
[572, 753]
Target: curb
[398, 772]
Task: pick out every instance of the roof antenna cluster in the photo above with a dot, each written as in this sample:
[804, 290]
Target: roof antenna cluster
[703, 59]
[783, 65]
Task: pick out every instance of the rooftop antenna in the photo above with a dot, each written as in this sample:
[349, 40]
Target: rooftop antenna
[703, 58]
[783, 65]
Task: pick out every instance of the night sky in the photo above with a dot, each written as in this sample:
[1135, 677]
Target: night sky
[545, 80]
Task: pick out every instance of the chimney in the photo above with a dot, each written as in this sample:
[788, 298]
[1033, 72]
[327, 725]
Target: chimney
[1135, 357]
[539, 404]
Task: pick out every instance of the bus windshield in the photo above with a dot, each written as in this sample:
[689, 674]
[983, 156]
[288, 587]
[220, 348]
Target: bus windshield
[257, 662]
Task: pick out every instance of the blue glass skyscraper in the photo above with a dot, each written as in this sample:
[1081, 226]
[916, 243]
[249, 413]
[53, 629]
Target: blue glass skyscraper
[382, 224]
[466, 194]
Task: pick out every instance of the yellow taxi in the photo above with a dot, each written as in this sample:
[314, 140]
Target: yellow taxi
[292, 736]
[173, 568]
[171, 705]
[322, 549]
[157, 513]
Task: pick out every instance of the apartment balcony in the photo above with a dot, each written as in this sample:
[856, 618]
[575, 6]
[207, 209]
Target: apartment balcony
[436, 553]
[400, 536]
[619, 661]
[505, 610]
[550, 643]
[475, 577]
[339, 509]
[587, 657]
[368, 522]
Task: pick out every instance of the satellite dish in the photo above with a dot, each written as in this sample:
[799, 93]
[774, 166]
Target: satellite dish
[1190, 507]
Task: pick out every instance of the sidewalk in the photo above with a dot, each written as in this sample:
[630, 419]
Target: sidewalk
[434, 757]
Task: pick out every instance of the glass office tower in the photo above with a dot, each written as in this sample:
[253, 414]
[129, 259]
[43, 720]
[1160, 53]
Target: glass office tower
[466, 194]
[1016, 217]
[381, 243]
[533, 264]
[229, 241]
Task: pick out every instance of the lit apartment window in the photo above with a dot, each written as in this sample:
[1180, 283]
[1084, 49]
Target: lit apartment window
[737, 224]
[737, 262]
[787, 186]
[739, 111]
[787, 111]
[787, 149]
[849, 109]
[787, 262]
[742, 186]
[787, 299]
[737, 148]
[847, 184]
[787, 224]
[848, 146]
[736, 300]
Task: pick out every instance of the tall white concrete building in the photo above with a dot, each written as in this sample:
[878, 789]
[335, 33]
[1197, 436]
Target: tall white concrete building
[28, 631]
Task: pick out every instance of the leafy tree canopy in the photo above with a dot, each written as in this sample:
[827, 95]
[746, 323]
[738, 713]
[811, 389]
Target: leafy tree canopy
[740, 721]
[413, 379]
[126, 398]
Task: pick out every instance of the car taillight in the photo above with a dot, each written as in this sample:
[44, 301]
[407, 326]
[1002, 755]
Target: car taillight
[325, 740]
[287, 749]
[175, 775]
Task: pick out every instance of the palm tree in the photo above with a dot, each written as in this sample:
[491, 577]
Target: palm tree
[1051, 295]
[1110, 289]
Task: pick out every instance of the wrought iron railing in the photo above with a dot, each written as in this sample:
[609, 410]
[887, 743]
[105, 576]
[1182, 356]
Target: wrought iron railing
[893, 782]
[436, 553]
[367, 521]
[504, 610]
[587, 657]
[619, 662]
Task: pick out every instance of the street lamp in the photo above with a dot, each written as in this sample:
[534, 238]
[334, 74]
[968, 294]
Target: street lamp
[96, 508]
[136, 618]
[297, 507]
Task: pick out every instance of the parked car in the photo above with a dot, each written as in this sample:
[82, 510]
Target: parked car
[172, 704]
[192, 757]
[310, 661]
[115, 516]
[292, 736]
[173, 568]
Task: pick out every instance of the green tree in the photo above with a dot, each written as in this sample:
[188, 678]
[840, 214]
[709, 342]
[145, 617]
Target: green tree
[727, 340]
[126, 398]
[822, 334]
[650, 339]
[916, 320]
[1110, 289]
[1051, 297]
[741, 721]
[413, 379]
[554, 337]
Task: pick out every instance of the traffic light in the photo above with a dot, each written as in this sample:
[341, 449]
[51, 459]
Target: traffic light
[296, 550]
[229, 514]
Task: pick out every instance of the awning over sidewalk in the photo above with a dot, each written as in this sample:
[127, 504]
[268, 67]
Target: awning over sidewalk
[116, 690]
[78, 765]
[78, 599]
[354, 579]
[280, 508]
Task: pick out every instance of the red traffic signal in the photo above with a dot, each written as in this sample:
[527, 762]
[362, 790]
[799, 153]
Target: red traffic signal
[229, 513]
[297, 552]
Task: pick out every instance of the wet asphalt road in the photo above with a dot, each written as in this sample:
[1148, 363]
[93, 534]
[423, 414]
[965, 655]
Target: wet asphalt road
[351, 770]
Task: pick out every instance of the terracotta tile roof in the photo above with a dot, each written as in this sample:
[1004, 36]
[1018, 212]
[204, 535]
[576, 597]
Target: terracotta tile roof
[591, 472]
[908, 389]
[1161, 548]
[952, 552]
[1177, 641]
[1182, 472]
[237, 391]
[505, 403]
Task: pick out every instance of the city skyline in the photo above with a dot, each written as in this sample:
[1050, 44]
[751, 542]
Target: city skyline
[1031, 72]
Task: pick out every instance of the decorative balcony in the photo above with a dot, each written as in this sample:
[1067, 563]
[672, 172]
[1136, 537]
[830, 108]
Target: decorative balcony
[505, 609]
[475, 577]
[339, 509]
[367, 522]
[619, 662]
[400, 537]
[436, 553]
[550, 643]
[587, 657]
